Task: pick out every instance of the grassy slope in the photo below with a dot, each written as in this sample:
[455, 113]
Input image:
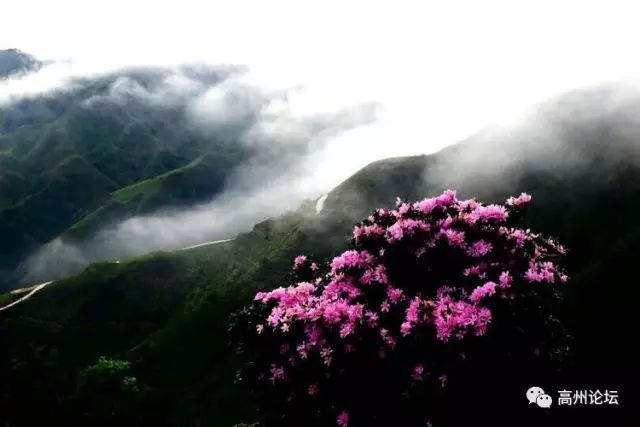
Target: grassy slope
[71, 187]
[115, 308]
[147, 152]
[202, 178]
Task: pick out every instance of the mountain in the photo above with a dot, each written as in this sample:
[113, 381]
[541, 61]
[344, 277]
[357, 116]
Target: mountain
[92, 152]
[14, 61]
[81, 159]
[167, 312]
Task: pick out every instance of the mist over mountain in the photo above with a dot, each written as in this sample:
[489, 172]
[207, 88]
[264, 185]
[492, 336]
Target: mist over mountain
[206, 213]
[98, 159]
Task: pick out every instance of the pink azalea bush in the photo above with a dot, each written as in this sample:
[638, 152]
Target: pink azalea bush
[422, 282]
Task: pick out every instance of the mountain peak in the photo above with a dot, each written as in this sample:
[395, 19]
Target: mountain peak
[14, 61]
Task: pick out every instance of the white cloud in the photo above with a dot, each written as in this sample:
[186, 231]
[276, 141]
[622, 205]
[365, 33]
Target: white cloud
[440, 69]
[437, 70]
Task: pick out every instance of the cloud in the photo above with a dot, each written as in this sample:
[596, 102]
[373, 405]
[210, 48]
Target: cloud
[288, 148]
[589, 133]
[330, 87]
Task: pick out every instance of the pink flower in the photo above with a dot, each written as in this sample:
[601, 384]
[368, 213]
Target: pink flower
[453, 317]
[395, 233]
[479, 249]
[522, 200]
[343, 419]
[486, 213]
[520, 236]
[259, 328]
[314, 266]
[302, 350]
[300, 259]
[377, 274]
[426, 205]
[361, 231]
[505, 279]
[346, 330]
[405, 227]
[447, 198]
[405, 328]
[541, 272]
[413, 311]
[351, 259]
[394, 294]
[372, 318]
[455, 238]
[483, 291]
[467, 205]
[403, 209]
[277, 373]
[417, 372]
[475, 270]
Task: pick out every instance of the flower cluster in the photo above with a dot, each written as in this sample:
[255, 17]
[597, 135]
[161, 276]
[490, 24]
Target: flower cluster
[432, 270]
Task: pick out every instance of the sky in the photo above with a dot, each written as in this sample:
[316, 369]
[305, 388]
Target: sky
[440, 70]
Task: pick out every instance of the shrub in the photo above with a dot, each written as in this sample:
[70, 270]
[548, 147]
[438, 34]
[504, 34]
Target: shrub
[433, 298]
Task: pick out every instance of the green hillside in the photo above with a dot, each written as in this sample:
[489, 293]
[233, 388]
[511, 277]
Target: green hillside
[184, 185]
[167, 313]
[85, 156]
[59, 202]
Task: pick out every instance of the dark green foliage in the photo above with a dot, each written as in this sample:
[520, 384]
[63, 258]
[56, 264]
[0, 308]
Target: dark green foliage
[108, 375]
[106, 394]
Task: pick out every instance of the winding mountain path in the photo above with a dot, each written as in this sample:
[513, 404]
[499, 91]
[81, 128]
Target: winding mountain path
[215, 242]
[32, 290]
[320, 203]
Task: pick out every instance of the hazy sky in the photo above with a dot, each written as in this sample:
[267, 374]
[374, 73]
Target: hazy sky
[441, 69]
